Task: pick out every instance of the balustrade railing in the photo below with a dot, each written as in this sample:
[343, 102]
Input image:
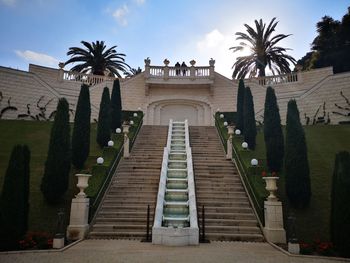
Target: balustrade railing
[179, 72]
[85, 78]
[278, 79]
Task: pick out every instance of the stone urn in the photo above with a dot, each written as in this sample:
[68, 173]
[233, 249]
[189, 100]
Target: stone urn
[82, 184]
[166, 62]
[271, 186]
[126, 127]
[193, 62]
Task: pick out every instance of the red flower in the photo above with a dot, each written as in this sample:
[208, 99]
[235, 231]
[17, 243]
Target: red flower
[263, 173]
[274, 174]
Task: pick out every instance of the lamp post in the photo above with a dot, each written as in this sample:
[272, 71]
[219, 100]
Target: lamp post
[254, 162]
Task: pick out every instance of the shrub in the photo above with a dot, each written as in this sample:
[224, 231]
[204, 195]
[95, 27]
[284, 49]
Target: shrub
[249, 125]
[273, 134]
[340, 200]
[81, 129]
[116, 106]
[240, 103]
[104, 120]
[14, 200]
[297, 172]
[57, 166]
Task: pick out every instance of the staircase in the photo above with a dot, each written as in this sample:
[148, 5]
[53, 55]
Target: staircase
[123, 212]
[228, 214]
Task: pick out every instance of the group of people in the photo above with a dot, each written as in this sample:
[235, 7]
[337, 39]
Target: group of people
[179, 68]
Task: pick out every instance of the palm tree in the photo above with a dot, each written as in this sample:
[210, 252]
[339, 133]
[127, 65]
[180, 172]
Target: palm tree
[263, 51]
[133, 72]
[96, 60]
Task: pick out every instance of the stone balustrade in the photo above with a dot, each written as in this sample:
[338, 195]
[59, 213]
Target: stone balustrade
[277, 79]
[84, 78]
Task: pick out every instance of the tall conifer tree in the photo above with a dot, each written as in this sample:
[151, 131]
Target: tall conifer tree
[116, 106]
[240, 103]
[104, 120]
[249, 119]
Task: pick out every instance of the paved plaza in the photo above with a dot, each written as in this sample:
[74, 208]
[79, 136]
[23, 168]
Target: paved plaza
[92, 251]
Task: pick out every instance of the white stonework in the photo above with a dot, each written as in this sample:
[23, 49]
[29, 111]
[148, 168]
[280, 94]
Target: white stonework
[273, 230]
[162, 94]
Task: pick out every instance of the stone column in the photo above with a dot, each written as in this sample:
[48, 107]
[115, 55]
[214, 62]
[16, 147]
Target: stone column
[229, 142]
[147, 67]
[126, 140]
[274, 231]
[211, 68]
[60, 71]
[79, 214]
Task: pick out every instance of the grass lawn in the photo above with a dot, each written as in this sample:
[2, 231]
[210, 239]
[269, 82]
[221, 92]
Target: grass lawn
[323, 143]
[36, 134]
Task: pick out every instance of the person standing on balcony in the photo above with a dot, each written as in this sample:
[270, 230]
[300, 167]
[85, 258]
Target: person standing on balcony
[177, 69]
[184, 68]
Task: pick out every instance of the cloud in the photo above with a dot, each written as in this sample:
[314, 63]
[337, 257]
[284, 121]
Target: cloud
[140, 2]
[216, 45]
[35, 57]
[120, 15]
[8, 2]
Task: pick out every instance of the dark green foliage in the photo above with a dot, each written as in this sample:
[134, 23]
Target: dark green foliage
[240, 102]
[81, 129]
[104, 120]
[249, 125]
[273, 134]
[331, 45]
[116, 106]
[56, 175]
[340, 199]
[297, 172]
[14, 200]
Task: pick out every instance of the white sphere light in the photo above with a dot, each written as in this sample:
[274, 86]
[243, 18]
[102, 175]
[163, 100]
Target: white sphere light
[218, 110]
[135, 114]
[131, 122]
[221, 116]
[110, 143]
[139, 109]
[225, 123]
[245, 145]
[100, 160]
[238, 132]
[254, 162]
[118, 130]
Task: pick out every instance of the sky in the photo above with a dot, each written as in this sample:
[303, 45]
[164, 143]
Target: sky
[41, 31]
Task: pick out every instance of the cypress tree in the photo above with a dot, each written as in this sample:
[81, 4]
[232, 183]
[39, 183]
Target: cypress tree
[14, 199]
[240, 103]
[81, 129]
[273, 134]
[340, 199]
[296, 161]
[104, 120]
[57, 166]
[249, 119]
[116, 106]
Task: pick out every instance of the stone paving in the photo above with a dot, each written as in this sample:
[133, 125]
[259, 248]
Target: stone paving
[92, 251]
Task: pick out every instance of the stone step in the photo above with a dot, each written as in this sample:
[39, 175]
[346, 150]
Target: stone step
[117, 235]
[232, 229]
[235, 237]
[229, 222]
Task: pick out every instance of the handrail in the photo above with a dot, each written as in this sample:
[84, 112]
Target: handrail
[237, 161]
[97, 200]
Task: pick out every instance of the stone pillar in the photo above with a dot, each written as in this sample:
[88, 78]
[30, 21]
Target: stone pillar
[60, 71]
[58, 240]
[147, 68]
[211, 68]
[79, 214]
[274, 231]
[126, 140]
[229, 142]
[166, 72]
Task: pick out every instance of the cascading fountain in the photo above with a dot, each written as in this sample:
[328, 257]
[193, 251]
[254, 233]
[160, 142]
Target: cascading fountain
[175, 221]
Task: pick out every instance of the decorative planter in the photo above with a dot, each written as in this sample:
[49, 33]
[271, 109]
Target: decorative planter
[166, 62]
[230, 129]
[271, 186]
[126, 128]
[193, 62]
[82, 184]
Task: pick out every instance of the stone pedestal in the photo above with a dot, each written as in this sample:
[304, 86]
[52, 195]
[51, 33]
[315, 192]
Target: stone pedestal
[126, 152]
[273, 230]
[229, 142]
[293, 248]
[79, 215]
[58, 243]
